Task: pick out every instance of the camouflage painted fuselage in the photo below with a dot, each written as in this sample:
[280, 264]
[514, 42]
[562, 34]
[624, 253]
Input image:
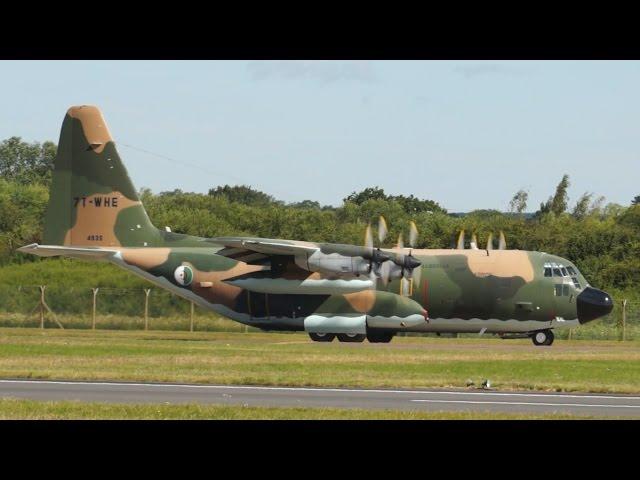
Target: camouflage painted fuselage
[459, 291]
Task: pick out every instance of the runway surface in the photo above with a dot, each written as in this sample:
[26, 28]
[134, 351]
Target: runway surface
[425, 400]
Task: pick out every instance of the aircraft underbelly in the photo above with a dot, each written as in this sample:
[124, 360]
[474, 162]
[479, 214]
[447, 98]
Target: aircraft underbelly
[490, 325]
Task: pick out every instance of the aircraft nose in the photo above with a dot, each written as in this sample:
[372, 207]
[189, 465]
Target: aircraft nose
[593, 303]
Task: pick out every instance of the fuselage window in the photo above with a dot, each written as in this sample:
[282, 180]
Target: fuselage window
[565, 290]
[558, 290]
[547, 271]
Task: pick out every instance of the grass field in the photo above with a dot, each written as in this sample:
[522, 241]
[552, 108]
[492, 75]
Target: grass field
[292, 359]
[31, 410]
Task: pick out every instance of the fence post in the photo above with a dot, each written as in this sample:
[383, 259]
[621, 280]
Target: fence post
[93, 311]
[191, 323]
[42, 289]
[624, 319]
[147, 291]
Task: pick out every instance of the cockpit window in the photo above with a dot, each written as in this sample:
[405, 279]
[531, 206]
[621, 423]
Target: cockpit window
[561, 290]
[553, 269]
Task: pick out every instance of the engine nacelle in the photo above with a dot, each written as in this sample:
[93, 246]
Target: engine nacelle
[333, 263]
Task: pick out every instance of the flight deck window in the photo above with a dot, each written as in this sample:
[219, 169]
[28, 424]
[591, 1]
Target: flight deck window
[565, 290]
[571, 271]
[576, 283]
[564, 272]
[556, 272]
[547, 272]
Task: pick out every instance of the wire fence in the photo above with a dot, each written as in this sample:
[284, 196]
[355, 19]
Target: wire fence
[156, 309]
[105, 308]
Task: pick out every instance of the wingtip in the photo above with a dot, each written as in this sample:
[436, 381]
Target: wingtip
[28, 248]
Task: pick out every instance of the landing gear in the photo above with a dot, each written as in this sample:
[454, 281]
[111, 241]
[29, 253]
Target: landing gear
[352, 337]
[543, 337]
[379, 337]
[322, 337]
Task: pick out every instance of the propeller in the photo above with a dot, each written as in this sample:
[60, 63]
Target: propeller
[403, 266]
[460, 245]
[382, 229]
[413, 233]
[377, 258]
[474, 242]
[490, 242]
[502, 244]
[408, 264]
[368, 237]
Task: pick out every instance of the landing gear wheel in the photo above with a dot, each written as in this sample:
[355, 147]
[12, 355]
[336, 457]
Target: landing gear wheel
[543, 337]
[351, 337]
[322, 337]
[379, 337]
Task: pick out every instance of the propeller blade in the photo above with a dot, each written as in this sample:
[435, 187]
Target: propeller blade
[490, 242]
[502, 245]
[374, 278]
[416, 275]
[400, 241]
[382, 229]
[474, 241]
[368, 237]
[413, 234]
[404, 287]
[460, 245]
[385, 272]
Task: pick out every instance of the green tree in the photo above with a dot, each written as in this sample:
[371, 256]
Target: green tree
[26, 163]
[636, 200]
[559, 202]
[21, 214]
[410, 204]
[413, 205]
[242, 194]
[370, 193]
[306, 204]
[582, 206]
[518, 203]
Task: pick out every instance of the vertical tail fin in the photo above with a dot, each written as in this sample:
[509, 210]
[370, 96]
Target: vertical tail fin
[92, 199]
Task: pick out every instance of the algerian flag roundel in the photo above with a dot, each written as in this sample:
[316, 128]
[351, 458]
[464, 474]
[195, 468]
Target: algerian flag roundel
[183, 275]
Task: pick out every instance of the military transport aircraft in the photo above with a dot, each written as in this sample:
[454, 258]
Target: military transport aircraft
[351, 292]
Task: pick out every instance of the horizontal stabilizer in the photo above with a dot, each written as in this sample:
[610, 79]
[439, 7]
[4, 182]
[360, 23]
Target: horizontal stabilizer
[78, 252]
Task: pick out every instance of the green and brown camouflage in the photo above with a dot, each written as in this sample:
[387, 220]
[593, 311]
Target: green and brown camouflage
[325, 289]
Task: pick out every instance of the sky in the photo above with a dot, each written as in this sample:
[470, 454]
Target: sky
[467, 134]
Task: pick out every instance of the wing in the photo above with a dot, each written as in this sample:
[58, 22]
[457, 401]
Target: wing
[257, 250]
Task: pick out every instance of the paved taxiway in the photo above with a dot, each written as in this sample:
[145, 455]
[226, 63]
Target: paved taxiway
[430, 400]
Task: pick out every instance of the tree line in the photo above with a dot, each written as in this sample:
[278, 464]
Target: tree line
[601, 238]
